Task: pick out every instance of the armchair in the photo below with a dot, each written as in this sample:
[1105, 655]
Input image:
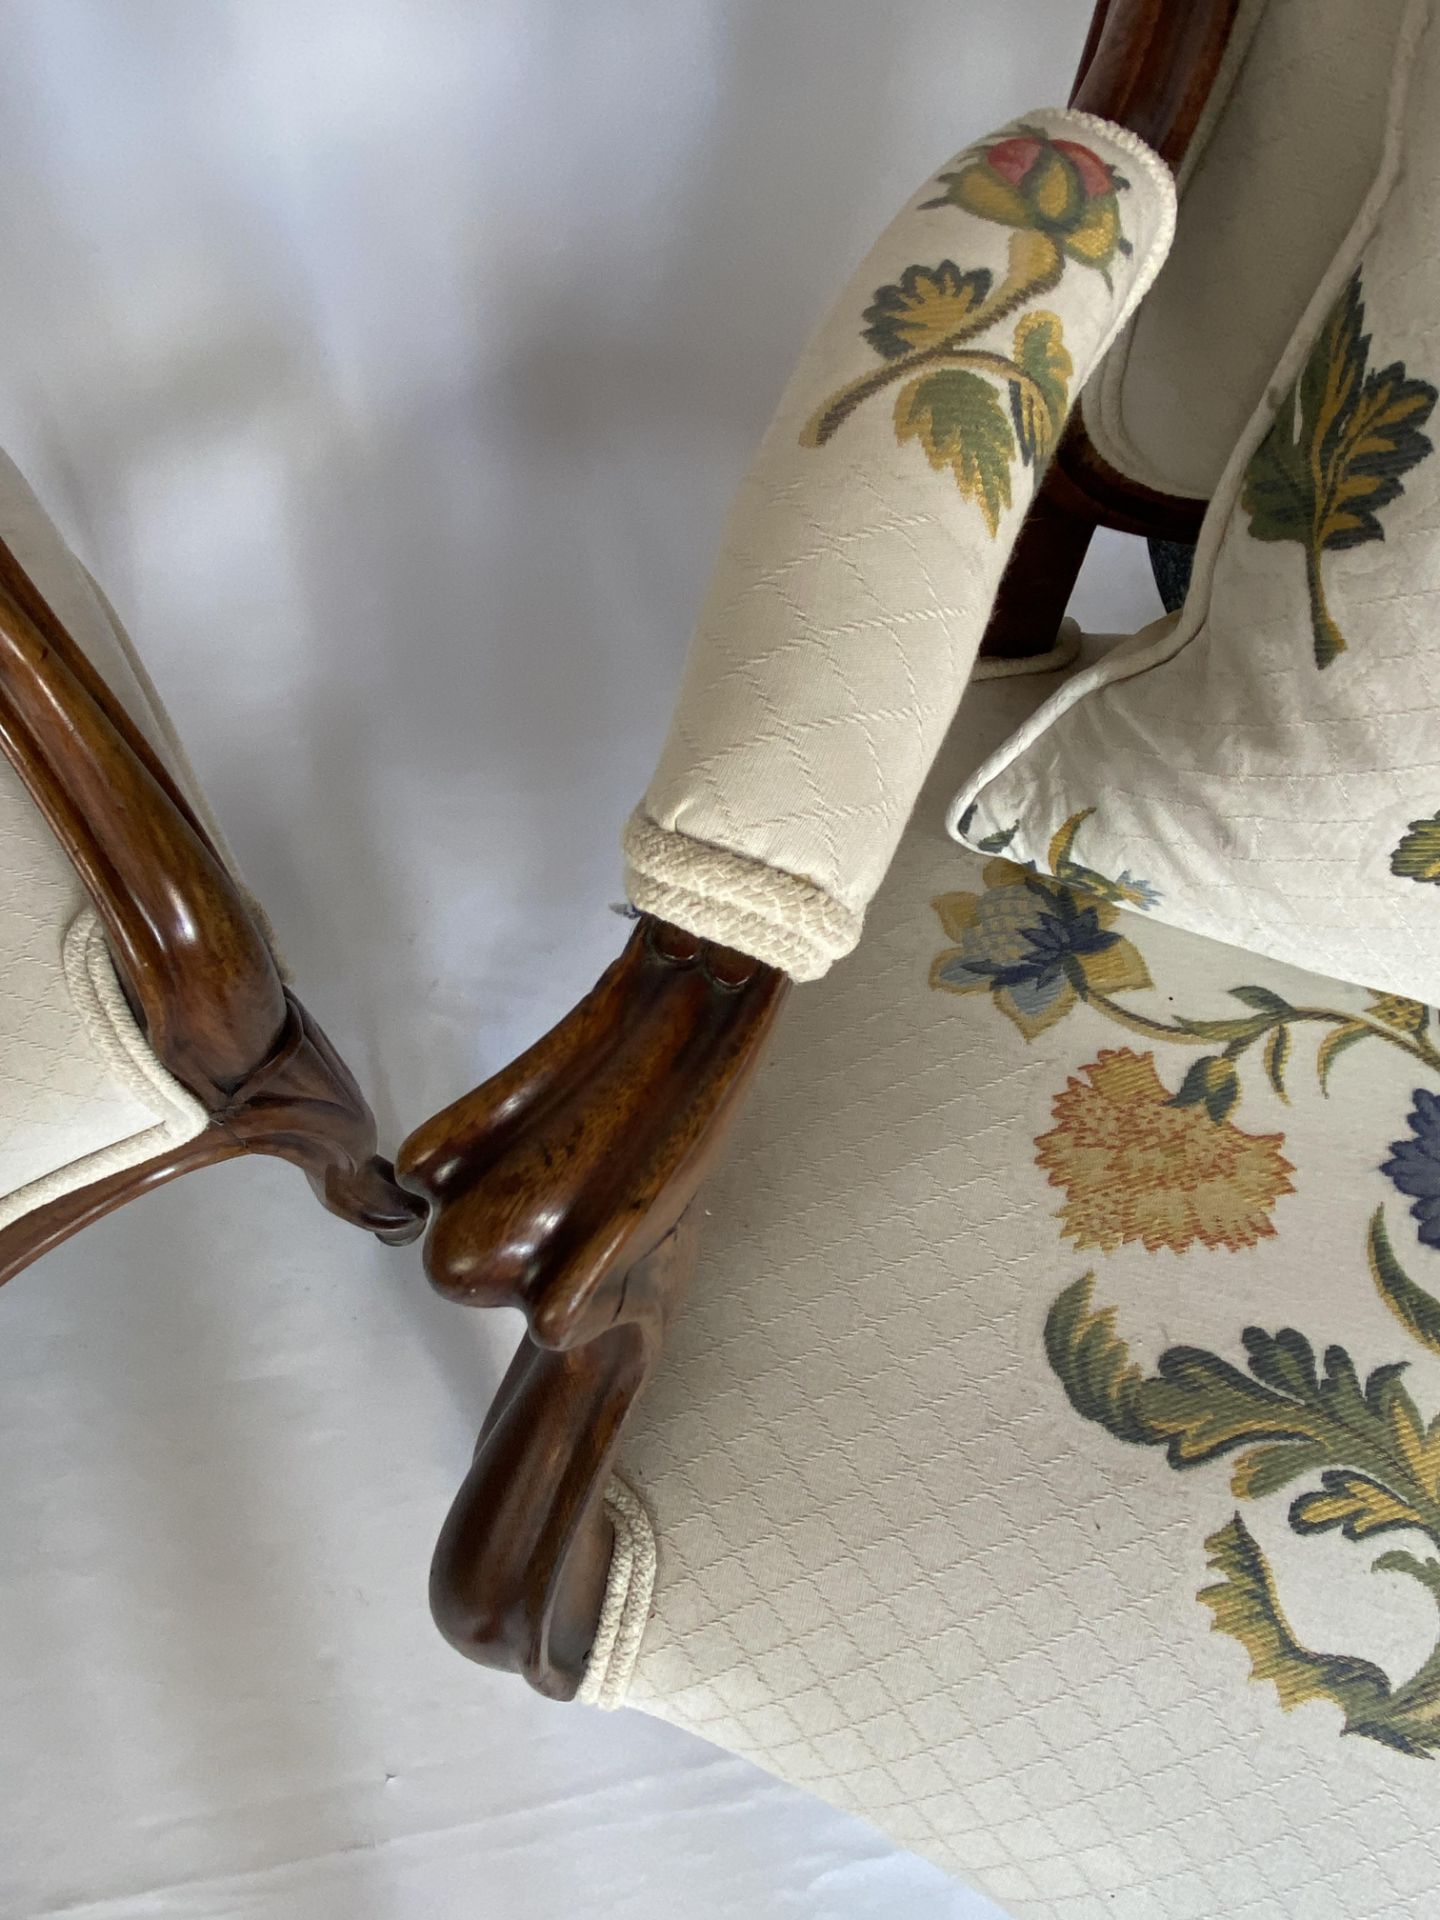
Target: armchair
[1025, 1225]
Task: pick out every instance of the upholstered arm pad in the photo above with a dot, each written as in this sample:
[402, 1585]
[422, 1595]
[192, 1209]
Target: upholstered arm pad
[864, 549]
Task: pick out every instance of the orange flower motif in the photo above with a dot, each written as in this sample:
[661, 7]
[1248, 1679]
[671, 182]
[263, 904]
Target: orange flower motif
[1136, 1167]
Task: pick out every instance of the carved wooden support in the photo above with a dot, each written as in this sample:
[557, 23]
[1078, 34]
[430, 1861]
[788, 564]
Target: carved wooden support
[194, 965]
[561, 1187]
[302, 1106]
[1148, 65]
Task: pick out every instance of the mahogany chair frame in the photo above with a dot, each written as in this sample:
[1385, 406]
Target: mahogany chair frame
[191, 959]
[563, 1186]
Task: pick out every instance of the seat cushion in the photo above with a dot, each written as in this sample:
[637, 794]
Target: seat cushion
[81, 1092]
[1271, 763]
[1277, 173]
[1043, 1464]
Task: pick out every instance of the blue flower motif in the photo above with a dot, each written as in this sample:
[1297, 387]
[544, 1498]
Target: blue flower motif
[1136, 893]
[1415, 1165]
[1035, 945]
[1059, 932]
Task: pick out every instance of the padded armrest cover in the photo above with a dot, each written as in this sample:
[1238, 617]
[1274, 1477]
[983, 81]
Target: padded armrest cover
[865, 547]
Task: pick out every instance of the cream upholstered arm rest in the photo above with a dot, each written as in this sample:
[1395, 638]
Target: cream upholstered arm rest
[866, 545]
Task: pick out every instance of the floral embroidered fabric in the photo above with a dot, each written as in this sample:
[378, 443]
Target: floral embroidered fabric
[1272, 761]
[1047, 1464]
[865, 546]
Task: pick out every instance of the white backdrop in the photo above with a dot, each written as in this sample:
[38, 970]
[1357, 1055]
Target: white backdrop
[391, 362]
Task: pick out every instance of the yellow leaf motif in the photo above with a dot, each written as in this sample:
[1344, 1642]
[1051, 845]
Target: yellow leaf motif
[1355, 1505]
[1038, 401]
[1287, 1415]
[1246, 1606]
[1333, 460]
[1059, 198]
[1418, 855]
[926, 305]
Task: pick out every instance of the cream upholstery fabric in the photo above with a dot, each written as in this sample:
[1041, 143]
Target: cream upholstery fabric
[863, 552]
[1270, 766]
[81, 1094]
[899, 1565]
[1270, 187]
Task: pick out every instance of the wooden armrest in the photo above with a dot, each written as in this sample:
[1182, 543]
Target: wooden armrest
[193, 964]
[563, 1186]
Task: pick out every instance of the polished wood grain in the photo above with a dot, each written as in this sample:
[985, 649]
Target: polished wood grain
[195, 967]
[562, 1187]
[1148, 65]
[566, 1185]
[520, 1568]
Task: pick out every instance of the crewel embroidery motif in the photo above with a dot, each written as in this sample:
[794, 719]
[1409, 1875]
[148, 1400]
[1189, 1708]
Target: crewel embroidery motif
[1140, 1164]
[1061, 200]
[1336, 454]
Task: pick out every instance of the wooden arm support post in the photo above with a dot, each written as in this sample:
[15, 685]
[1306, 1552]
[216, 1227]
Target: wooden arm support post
[1148, 65]
[563, 1187]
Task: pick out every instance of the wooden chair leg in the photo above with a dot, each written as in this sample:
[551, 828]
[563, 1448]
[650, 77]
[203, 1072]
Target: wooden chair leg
[1041, 576]
[564, 1187]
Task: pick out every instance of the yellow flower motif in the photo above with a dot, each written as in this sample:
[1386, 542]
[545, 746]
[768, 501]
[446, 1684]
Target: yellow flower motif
[1406, 1016]
[1134, 1166]
[1034, 945]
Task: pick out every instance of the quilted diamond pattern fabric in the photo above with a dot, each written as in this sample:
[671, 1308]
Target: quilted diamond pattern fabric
[926, 1544]
[81, 1095]
[864, 549]
[1272, 763]
[1268, 191]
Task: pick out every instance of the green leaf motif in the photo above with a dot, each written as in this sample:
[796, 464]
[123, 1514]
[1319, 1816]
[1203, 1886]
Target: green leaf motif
[1263, 1000]
[1416, 1310]
[1336, 454]
[1213, 1081]
[1277, 1055]
[1038, 402]
[1093, 1364]
[958, 419]
[1418, 855]
[1378, 1463]
[1339, 1040]
[1354, 1503]
[1246, 1606]
[998, 841]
